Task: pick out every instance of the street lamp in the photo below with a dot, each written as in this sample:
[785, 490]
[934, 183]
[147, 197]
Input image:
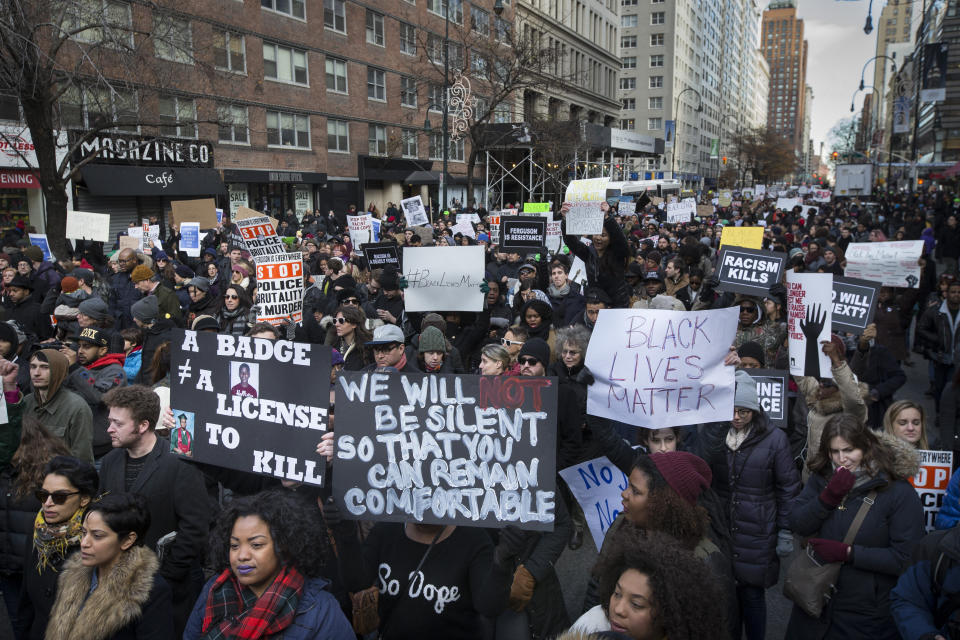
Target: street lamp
[893, 66]
[720, 143]
[676, 132]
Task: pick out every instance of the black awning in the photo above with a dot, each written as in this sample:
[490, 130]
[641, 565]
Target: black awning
[113, 180]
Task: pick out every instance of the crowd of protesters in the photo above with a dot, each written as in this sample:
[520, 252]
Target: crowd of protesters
[106, 532]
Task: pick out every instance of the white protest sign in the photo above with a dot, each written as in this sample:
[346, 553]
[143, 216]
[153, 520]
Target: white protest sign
[759, 190]
[659, 369]
[578, 271]
[443, 279]
[152, 238]
[597, 484]
[280, 288]
[681, 211]
[464, 227]
[469, 217]
[822, 195]
[85, 225]
[931, 482]
[787, 204]
[361, 229]
[190, 239]
[892, 264]
[415, 212]
[627, 208]
[554, 236]
[585, 216]
[261, 238]
[809, 311]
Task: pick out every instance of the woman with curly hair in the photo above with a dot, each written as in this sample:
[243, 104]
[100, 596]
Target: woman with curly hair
[268, 585]
[653, 588]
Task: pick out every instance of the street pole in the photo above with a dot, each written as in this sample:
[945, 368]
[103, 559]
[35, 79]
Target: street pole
[917, 78]
[446, 105]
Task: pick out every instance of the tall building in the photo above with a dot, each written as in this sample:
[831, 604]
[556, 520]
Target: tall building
[783, 45]
[894, 29]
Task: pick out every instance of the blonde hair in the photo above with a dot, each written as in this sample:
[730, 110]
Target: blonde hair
[894, 410]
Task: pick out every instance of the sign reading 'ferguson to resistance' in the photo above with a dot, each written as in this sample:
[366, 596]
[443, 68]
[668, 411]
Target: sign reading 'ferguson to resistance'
[447, 449]
[749, 271]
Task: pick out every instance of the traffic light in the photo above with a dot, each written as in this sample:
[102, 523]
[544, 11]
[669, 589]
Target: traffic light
[724, 160]
[919, 182]
[835, 156]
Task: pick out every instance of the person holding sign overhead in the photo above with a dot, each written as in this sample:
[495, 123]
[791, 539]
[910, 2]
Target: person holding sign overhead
[606, 258]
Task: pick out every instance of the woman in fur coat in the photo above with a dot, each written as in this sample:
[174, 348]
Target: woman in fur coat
[111, 589]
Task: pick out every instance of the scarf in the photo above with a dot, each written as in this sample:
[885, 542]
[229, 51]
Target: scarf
[228, 616]
[403, 362]
[736, 438]
[559, 293]
[53, 542]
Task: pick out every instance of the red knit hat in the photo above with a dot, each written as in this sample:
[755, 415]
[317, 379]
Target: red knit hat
[686, 473]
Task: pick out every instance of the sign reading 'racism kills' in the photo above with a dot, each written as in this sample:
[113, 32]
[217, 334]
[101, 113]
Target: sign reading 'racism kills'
[749, 271]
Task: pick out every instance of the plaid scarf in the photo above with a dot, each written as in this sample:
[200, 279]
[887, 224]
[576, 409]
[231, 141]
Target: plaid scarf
[54, 542]
[234, 613]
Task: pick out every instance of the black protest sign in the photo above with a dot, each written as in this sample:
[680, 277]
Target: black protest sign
[853, 304]
[772, 393]
[749, 271]
[523, 233]
[381, 254]
[254, 405]
[447, 449]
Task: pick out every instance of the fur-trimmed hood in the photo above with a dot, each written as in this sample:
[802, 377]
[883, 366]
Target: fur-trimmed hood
[906, 458]
[118, 601]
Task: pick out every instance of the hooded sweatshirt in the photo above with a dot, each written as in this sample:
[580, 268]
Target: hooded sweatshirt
[63, 413]
[90, 382]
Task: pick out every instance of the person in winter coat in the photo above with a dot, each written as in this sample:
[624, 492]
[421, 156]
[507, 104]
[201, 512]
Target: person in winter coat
[432, 352]
[752, 328]
[565, 295]
[156, 331]
[907, 420]
[754, 475]
[949, 514]
[25, 308]
[924, 603]
[605, 259]
[937, 328]
[124, 291]
[850, 464]
[268, 582]
[875, 366]
[237, 314]
[112, 589]
[149, 285]
[536, 317]
[948, 418]
[61, 411]
[892, 319]
[948, 243]
[351, 336]
[202, 302]
[133, 348]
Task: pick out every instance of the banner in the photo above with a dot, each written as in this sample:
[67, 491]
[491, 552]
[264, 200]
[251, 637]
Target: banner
[669, 133]
[446, 449]
[382, 254]
[901, 114]
[822, 195]
[280, 289]
[787, 204]
[415, 212]
[772, 387]
[678, 212]
[714, 148]
[250, 404]
[40, 240]
[523, 234]
[934, 72]
[597, 484]
[190, 239]
[809, 303]
[749, 271]
[931, 482]
[659, 369]
[260, 237]
[585, 217]
[854, 304]
[443, 279]
[361, 229]
[892, 264]
[749, 237]
[84, 225]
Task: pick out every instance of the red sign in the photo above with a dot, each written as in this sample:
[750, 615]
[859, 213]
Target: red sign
[10, 179]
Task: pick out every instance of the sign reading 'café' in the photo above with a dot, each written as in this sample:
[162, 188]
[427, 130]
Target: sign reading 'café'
[115, 148]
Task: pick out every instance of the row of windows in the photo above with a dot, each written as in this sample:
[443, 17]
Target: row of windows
[630, 42]
[632, 20]
[653, 102]
[633, 3]
[630, 124]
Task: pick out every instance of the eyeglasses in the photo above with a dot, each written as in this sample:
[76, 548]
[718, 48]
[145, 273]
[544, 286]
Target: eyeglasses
[342, 321]
[231, 297]
[571, 352]
[528, 361]
[383, 348]
[743, 413]
[747, 310]
[352, 301]
[508, 343]
[59, 497]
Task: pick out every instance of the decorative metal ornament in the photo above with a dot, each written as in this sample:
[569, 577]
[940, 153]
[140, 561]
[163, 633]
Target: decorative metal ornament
[461, 105]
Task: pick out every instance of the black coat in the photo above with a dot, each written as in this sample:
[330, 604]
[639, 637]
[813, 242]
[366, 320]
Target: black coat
[16, 524]
[566, 309]
[124, 294]
[37, 594]
[28, 315]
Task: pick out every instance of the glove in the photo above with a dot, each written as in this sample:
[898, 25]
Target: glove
[484, 287]
[838, 487]
[585, 377]
[522, 589]
[784, 542]
[830, 550]
[512, 542]
[402, 283]
[331, 513]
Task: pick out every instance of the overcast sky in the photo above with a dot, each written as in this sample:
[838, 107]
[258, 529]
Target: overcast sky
[838, 49]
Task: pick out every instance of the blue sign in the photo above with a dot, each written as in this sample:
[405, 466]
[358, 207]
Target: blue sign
[40, 240]
[190, 238]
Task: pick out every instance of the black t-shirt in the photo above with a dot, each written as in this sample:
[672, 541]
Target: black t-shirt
[132, 470]
[458, 579]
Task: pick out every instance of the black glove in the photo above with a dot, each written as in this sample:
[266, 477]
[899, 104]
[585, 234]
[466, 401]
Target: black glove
[710, 284]
[585, 377]
[512, 542]
[332, 515]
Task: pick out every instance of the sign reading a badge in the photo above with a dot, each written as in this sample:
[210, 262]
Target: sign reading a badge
[853, 304]
[749, 271]
[523, 233]
[381, 254]
[772, 393]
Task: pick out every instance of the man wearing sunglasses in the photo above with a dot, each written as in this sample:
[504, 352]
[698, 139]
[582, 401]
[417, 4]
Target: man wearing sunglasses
[388, 350]
[534, 357]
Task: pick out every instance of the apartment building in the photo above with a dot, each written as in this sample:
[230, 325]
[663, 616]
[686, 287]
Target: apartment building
[785, 48]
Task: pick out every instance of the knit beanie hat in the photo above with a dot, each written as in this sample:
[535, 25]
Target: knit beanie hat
[433, 320]
[686, 473]
[34, 253]
[536, 348]
[94, 308]
[140, 273]
[146, 310]
[431, 339]
[183, 271]
[746, 394]
[9, 334]
[752, 350]
[69, 284]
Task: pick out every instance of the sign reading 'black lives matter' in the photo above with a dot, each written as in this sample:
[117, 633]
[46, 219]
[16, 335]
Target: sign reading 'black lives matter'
[447, 449]
[250, 404]
[749, 271]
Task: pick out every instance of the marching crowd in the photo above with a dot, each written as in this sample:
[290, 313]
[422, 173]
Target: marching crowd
[106, 531]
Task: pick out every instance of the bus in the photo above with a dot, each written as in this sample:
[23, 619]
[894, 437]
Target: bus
[653, 188]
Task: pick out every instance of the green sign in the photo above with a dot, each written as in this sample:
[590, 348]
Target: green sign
[714, 148]
[536, 207]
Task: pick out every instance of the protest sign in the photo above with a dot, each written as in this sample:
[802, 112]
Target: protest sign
[749, 271]
[469, 217]
[463, 227]
[40, 240]
[261, 238]
[446, 449]
[627, 208]
[129, 242]
[536, 207]
[219, 216]
[822, 195]
[554, 235]
[85, 225]
[415, 212]
[931, 482]
[772, 387]
[809, 304]
[680, 211]
[725, 198]
[202, 211]
[255, 405]
[280, 288]
[523, 233]
[854, 303]
[787, 204]
[705, 210]
[578, 272]
[892, 264]
[659, 369]
[749, 237]
[597, 484]
[382, 254]
[585, 217]
[243, 213]
[361, 229]
[146, 242]
[443, 279]
[190, 239]
[493, 222]
[760, 190]
[589, 190]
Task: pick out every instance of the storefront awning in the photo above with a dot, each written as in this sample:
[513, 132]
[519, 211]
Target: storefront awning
[114, 180]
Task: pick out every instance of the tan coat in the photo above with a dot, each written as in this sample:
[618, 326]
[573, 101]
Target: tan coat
[849, 399]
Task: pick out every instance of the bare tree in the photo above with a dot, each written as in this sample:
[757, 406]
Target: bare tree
[842, 138]
[763, 154]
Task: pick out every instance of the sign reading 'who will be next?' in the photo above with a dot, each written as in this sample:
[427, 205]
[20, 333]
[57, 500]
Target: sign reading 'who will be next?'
[749, 271]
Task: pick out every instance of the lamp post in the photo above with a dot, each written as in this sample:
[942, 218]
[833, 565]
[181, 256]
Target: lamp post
[917, 75]
[676, 132]
[720, 144]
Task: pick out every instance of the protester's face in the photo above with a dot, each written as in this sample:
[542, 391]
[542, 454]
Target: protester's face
[23, 267]
[6, 349]
[144, 286]
[653, 287]
[212, 270]
[662, 440]
[908, 425]
[635, 496]
[572, 355]
[530, 366]
[671, 270]
[748, 313]
[8, 275]
[494, 294]
[253, 557]
[843, 454]
[88, 353]
[527, 274]
[39, 374]
[770, 307]
[741, 418]
[601, 241]
[235, 255]
[123, 431]
[695, 283]
[953, 295]
[747, 362]
[99, 544]
[631, 607]
[663, 244]
[558, 277]
[387, 355]
[236, 277]
[60, 487]
[18, 294]
[593, 310]
[126, 260]
[532, 318]
[196, 293]
[512, 344]
[433, 359]
[490, 367]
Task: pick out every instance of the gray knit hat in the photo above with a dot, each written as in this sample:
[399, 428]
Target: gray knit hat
[431, 339]
[746, 394]
[95, 308]
[146, 310]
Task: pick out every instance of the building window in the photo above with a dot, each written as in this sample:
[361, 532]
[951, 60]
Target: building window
[654, 123]
[408, 91]
[284, 64]
[377, 140]
[628, 83]
[503, 113]
[456, 150]
[435, 151]
[656, 82]
[628, 3]
[232, 124]
[97, 12]
[478, 65]
[288, 130]
[440, 7]
[435, 48]
[376, 84]
[335, 15]
[657, 1]
[374, 28]
[408, 39]
[229, 51]
[658, 17]
[436, 97]
[409, 147]
[98, 107]
[171, 39]
[628, 62]
[502, 33]
[178, 115]
[336, 75]
[655, 102]
[479, 20]
[293, 8]
[656, 60]
[628, 42]
[338, 136]
[656, 39]
[628, 104]
[628, 123]
[629, 20]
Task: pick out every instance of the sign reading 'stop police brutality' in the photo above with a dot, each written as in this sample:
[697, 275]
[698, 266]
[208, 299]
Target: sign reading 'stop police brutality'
[280, 289]
[523, 233]
[447, 449]
[749, 271]
[854, 303]
[260, 238]
[256, 405]
[772, 394]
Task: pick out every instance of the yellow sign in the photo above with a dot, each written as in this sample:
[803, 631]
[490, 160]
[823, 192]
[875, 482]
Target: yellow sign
[748, 237]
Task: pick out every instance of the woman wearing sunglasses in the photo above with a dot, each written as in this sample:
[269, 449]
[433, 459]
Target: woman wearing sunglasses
[236, 314]
[350, 324]
[68, 486]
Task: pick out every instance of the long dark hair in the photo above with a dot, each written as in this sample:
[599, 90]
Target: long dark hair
[245, 301]
[667, 511]
[876, 456]
[355, 315]
[37, 447]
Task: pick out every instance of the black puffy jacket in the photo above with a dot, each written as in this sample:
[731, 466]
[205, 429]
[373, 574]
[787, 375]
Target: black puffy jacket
[16, 524]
